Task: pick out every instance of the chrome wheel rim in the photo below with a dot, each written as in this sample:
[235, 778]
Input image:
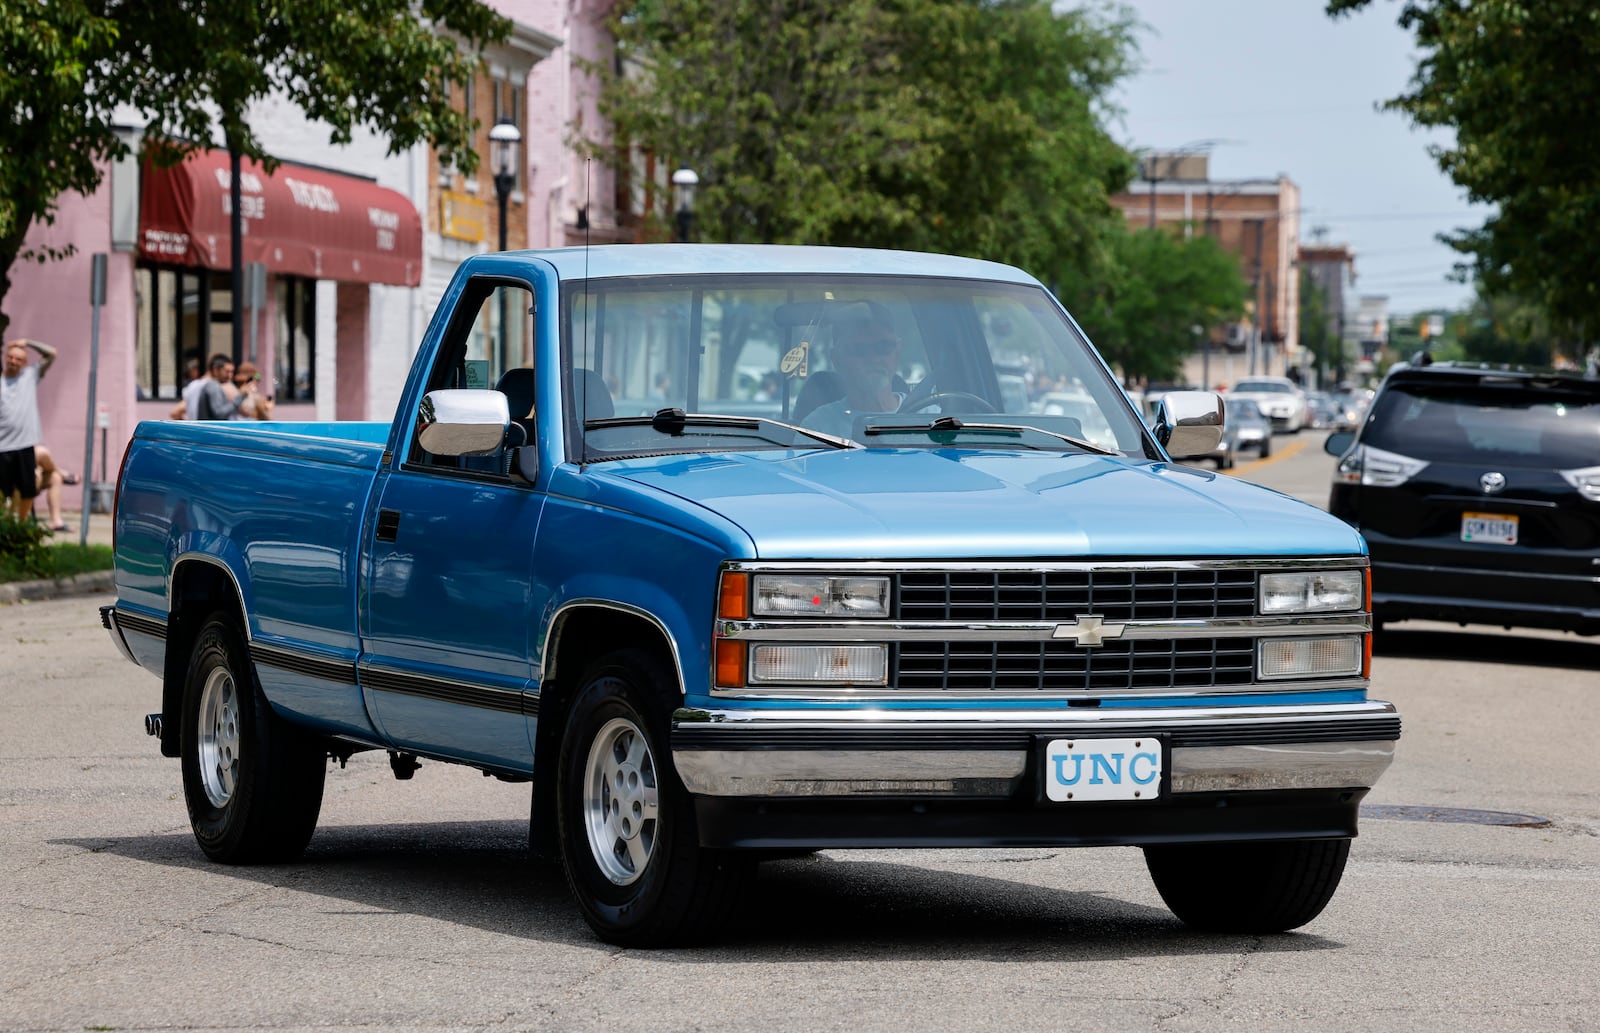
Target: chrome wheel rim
[621, 801]
[219, 736]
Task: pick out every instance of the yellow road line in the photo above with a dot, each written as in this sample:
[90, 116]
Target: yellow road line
[1278, 452]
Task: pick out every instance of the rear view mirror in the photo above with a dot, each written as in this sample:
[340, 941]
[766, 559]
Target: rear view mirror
[463, 422]
[1188, 423]
[1338, 443]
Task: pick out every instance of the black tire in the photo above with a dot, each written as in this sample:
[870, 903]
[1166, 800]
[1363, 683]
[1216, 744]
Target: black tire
[1266, 446]
[252, 781]
[1248, 887]
[629, 841]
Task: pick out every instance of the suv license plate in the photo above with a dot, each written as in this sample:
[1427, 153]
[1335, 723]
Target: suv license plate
[1087, 769]
[1493, 528]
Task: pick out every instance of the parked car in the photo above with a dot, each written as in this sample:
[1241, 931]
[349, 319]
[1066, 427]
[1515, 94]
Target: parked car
[1248, 428]
[1278, 397]
[1322, 410]
[1478, 491]
[1352, 409]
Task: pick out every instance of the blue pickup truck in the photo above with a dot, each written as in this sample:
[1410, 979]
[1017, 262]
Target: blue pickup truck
[741, 551]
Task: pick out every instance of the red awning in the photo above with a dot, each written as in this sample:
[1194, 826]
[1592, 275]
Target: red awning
[297, 220]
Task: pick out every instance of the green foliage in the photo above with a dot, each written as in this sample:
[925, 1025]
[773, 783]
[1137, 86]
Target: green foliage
[1506, 329]
[1318, 334]
[193, 67]
[24, 552]
[1518, 83]
[966, 126]
[1143, 302]
[58, 126]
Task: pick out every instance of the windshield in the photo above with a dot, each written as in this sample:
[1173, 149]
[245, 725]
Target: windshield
[1268, 387]
[1510, 425]
[806, 361]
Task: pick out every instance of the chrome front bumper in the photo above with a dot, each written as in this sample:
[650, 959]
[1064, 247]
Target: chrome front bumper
[795, 753]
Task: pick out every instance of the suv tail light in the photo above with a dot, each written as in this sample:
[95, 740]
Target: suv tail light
[1587, 481]
[1375, 468]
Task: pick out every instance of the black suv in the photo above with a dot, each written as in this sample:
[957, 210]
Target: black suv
[1478, 491]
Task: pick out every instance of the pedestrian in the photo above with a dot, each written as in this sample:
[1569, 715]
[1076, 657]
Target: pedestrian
[49, 478]
[19, 423]
[253, 405]
[218, 397]
[189, 398]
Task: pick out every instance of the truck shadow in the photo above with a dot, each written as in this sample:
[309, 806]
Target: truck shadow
[1473, 645]
[815, 908]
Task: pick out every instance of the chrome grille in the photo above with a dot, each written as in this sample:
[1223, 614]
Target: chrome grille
[1026, 667]
[1063, 595]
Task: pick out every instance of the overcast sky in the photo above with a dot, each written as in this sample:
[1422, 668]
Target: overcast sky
[1283, 88]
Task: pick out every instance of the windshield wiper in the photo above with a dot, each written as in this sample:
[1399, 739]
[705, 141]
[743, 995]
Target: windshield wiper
[673, 421]
[953, 423]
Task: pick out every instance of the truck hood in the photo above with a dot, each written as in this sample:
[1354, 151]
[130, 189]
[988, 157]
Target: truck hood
[935, 503]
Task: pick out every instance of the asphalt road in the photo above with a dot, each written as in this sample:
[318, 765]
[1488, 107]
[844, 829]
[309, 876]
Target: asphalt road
[416, 907]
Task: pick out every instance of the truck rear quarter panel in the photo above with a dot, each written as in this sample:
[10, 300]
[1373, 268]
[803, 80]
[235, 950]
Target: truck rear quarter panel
[279, 509]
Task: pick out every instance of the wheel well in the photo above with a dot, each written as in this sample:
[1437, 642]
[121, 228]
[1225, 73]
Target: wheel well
[199, 589]
[579, 636]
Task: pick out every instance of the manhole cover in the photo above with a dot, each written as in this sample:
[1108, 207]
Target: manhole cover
[1462, 815]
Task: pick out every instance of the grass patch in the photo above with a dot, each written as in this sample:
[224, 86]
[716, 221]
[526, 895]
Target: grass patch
[27, 555]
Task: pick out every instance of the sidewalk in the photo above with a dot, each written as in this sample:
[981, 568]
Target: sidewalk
[98, 581]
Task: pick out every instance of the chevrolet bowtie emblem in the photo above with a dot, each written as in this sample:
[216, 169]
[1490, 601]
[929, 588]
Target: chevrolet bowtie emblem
[1089, 631]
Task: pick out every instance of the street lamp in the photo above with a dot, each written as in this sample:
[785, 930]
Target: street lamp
[503, 140]
[683, 183]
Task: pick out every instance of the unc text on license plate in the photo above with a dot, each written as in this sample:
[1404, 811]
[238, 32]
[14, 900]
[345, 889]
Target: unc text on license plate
[1494, 528]
[1088, 769]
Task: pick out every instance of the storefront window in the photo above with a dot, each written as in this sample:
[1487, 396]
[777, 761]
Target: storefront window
[179, 325]
[296, 339]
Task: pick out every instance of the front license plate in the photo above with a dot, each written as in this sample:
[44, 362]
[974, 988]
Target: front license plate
[1494, 528]
[1079, 770]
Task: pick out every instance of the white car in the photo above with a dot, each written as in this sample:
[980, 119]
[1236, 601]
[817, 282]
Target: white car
[1278, 398]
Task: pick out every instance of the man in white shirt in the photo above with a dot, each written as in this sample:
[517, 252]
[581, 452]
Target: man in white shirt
[19, 423]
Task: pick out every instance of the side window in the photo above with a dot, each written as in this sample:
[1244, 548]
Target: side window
[488, 346]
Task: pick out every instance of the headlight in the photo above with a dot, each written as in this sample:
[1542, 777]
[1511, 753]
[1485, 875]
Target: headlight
[819, 665]
[1309, 657]
[806, 595]
[1312, 592]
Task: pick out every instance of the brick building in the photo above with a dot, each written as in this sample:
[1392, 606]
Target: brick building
[1256, 219]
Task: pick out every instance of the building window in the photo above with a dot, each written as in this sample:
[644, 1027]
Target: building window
[185, 315]
[296, 339]
[508, 104]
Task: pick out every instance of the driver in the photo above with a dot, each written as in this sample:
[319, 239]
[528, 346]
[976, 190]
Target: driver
[866, 355]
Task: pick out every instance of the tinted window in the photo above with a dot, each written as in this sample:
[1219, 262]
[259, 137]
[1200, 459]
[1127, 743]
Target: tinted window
[1514, 425]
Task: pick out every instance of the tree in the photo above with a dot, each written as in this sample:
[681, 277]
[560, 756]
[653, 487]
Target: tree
[58, 132]
[1142, 305]
[1518, 84]
[967, 126]
[193, 67]
[1318, 333]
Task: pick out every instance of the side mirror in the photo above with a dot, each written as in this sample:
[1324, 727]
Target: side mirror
[1338, 443]
[1189, 423]
[463, 422]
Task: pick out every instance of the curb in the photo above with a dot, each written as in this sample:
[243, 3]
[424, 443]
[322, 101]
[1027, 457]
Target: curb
[78, 584]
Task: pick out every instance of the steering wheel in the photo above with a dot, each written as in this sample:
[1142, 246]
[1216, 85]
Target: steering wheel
[913, 404]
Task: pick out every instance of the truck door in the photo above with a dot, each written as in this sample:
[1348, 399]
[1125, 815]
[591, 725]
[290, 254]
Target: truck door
[445, 667]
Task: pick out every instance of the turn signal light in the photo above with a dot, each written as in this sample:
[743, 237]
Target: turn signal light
[730, 663]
